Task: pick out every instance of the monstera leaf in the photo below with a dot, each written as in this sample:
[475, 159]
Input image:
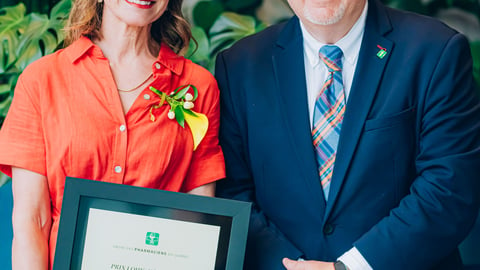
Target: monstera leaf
[12, 24]
[199, 52]
[231, 27]
[42, 36]
[228, 28]
[25, 38]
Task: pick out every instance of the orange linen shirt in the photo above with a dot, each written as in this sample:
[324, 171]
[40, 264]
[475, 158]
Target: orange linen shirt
[66, 119]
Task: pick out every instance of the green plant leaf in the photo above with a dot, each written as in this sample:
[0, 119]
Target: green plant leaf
[24, 39]
[4, 89]
[61, 10]
[475, 48]
[4, 105]
[200, 53]
[229, 28]
[411, 5]
[206, 12]
[43, 35]
[36, 41]
[12, 24]
[203, 44]
[58, 17]
[243, 5]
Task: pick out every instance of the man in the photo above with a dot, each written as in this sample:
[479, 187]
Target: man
[389, 104]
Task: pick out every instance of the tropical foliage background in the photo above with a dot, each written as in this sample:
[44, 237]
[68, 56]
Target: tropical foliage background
[30, 29]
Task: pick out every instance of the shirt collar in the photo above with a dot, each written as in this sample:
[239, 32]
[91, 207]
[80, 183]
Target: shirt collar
[85, 47]
[350, 43]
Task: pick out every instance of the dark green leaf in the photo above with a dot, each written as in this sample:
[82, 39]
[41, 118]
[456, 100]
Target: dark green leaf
[200, 53]
[189, 112]
[195, 92]
[410, 5]
[36, 41]
[475, 47]
[206, 12]
[228, 28]
[4, 105]
[181, 91]
[153, 89]
[4, 89]
[179, 116]
[239, 6]
[61, 10]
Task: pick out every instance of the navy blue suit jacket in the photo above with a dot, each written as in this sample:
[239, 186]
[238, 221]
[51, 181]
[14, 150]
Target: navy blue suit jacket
[405, 187]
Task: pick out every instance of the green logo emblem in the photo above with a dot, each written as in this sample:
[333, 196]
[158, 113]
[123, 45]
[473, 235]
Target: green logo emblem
[152, 238]
[381, 54]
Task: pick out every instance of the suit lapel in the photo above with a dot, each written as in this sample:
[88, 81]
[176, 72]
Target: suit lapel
[369, 70]
[289, 69]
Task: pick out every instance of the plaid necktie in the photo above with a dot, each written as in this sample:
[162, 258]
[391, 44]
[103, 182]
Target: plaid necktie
[328, 115]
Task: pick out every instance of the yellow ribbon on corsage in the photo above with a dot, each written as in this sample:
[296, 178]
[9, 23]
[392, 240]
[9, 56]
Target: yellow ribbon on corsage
[181, 105]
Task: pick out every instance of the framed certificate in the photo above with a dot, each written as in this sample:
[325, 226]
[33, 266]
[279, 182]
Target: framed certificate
[112, 226]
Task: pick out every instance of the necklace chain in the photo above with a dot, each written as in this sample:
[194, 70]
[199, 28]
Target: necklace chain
[138, 85]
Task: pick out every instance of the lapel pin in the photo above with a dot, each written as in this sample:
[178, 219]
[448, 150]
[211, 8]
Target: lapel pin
[382, 52]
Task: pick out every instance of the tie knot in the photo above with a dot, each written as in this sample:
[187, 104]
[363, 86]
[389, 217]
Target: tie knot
[331, 55]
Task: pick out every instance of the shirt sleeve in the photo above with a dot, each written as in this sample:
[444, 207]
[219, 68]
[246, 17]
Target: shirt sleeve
[207, 163]
[354, 260]
[21, 136]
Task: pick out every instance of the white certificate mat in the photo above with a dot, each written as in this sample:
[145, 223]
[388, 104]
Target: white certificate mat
[119, 240]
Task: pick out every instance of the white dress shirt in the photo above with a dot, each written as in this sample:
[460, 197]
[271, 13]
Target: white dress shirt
[316, 73]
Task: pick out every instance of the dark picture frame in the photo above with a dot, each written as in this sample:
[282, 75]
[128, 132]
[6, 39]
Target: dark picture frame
[81, 195]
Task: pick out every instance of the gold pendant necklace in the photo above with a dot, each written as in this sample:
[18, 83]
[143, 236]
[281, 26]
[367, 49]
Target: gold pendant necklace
[136, 87]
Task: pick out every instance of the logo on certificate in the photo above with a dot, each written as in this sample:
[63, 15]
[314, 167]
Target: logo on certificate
[152, 238]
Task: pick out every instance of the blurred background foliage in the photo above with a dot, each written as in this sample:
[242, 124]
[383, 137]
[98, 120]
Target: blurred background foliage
[30, 29]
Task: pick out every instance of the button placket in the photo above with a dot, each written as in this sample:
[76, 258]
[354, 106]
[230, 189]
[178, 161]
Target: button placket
[120, 153]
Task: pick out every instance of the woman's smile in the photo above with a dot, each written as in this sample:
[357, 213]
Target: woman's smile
[141, 3]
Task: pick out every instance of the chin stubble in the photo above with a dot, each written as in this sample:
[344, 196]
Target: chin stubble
[325, 20]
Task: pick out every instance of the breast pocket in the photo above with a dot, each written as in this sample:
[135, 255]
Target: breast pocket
[390, 145]
[390, 120]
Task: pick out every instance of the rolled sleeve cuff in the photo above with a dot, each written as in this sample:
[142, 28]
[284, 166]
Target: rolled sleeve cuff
[354, 260]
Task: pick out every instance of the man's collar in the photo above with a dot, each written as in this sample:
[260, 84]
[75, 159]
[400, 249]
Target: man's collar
[350, 43]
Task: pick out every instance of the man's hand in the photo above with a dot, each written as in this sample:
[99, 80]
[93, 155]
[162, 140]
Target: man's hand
[307, 265]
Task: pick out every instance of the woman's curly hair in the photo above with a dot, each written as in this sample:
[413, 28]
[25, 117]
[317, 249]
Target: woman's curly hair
[171, 28]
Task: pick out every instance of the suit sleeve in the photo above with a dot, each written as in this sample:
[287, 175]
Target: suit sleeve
[266, 245]
[443, 202]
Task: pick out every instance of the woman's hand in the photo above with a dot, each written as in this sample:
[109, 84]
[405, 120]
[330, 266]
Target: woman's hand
[307, 265]
[31, 220]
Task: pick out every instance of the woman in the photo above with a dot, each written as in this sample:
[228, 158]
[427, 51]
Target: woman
[88, 111]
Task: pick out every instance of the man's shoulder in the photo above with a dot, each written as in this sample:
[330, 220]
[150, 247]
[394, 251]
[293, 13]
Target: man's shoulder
[414, 24]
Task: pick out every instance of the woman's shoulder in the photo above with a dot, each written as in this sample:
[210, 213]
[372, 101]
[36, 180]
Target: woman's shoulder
[198, 74]
[60, 59]
[47, 64]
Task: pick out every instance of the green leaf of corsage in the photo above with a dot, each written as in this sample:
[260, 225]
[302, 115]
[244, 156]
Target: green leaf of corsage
[181, 105]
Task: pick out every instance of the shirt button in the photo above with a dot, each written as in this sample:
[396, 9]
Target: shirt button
[118, 169]
[158, 66]
[328, 229]
[146, 97]
[123, 128]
